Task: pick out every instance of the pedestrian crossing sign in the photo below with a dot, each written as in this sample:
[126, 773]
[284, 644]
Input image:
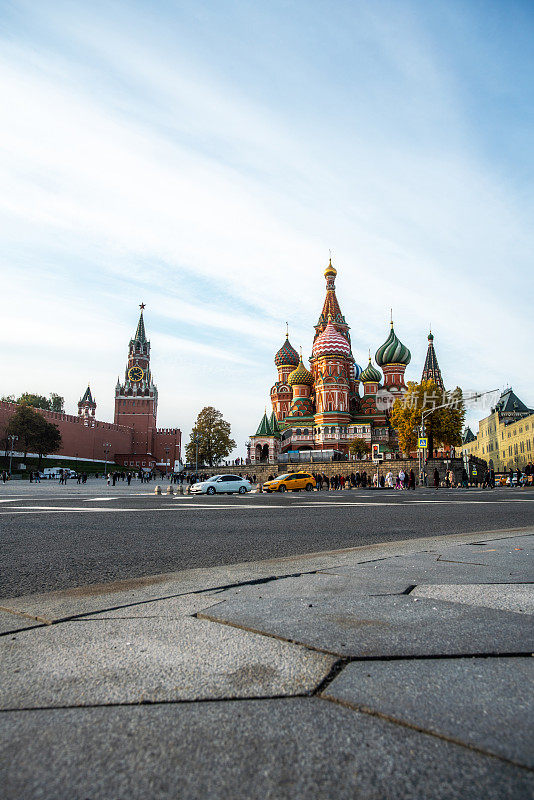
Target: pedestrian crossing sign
[423, 442]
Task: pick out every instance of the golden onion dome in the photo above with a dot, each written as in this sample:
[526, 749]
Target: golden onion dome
[300, 376]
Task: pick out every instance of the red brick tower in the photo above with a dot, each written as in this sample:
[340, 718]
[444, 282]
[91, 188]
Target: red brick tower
[136, 400]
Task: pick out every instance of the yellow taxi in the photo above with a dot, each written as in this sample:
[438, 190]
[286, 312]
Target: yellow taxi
[292, 482]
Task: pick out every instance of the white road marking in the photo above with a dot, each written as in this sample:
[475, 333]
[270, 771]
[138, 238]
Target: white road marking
[100, 499]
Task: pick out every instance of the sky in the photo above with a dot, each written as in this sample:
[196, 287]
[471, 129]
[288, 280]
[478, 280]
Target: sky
[205, 157]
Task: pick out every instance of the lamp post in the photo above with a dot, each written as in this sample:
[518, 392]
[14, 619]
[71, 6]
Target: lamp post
[12, 440]
[425, 414]
[168, 461]
[196, 440]
[106, 447]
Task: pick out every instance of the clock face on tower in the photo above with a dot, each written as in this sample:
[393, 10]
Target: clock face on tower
[136, 374]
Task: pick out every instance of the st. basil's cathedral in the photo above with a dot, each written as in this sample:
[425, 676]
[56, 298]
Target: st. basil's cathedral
[335, 400]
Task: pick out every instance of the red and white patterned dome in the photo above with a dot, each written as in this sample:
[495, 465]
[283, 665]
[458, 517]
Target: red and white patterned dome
[330, 343]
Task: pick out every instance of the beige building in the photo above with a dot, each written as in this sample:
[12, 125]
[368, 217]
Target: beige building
[505, 437]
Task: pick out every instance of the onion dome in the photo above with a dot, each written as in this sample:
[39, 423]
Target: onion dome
[331, 343]
[287, 355]
[330, 271]
[370, 374]
[392, 351]
[356, 371]
[300, 376]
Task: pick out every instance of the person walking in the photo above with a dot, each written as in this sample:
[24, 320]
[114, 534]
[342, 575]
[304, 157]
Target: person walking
[411, 482]
[436, 478]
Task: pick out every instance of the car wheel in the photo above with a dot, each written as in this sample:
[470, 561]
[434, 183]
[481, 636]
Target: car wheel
[210, 490]
[282, 488]
[309, 487]
[242, 489]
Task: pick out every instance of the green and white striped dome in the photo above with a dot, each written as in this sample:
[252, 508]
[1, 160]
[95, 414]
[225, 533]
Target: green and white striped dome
[392, 351]
[370, 374]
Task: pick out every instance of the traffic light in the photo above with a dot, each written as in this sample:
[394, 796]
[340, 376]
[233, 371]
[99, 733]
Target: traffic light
[375, 452]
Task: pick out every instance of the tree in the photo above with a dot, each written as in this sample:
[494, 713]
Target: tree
[53, 403]
[57, 403]
[359, 447]
[34, 400]
[444, 425]
[33, 432]
[212, 434]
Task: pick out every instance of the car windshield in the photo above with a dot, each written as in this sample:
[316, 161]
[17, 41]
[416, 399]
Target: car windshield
[213, 478]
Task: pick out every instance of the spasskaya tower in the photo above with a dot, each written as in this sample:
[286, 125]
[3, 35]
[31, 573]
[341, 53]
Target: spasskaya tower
[136, 399]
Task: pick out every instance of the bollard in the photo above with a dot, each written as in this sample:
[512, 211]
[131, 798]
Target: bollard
[180, 489]
[260, 488]
[348, 486]
[170, 490]
[157, 489]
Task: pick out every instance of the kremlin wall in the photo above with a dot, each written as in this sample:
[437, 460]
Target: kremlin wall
[132, 440]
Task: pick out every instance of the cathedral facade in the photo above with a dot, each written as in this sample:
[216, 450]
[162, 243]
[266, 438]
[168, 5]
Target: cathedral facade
[334, 400]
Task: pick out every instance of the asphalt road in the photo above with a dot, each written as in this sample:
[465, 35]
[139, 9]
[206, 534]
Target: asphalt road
[55, 537]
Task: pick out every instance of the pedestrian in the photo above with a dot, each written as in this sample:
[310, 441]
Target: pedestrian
[109, 478]
[436, 478]
[402, 476]
[411, 484]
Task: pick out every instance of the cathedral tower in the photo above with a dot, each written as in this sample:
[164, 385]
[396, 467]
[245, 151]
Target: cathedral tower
[136, 399]
[393, 357]
[431, 370]
[286, 360]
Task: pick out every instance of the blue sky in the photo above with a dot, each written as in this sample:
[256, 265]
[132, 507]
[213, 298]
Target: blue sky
[204, 157]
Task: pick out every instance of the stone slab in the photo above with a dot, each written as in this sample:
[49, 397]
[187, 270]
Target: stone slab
[441, 567]
[318, 585]
[153, 659]
[515, 597]
[377, 627]
[99, 597]
[293, 749]
[486, 703]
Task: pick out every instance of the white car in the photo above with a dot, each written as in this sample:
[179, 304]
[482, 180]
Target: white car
[222, 484]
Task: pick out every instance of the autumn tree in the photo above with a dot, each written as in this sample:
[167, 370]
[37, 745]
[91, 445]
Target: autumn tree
[442, 425]
[359, 447]
[212, 435]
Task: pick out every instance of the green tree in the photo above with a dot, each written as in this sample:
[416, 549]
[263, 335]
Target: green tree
[359, 447]
[47, 438]
[443, 426]
[8, 398]
[212, 433]
[33, 432]
[34, 400]
[57, 403]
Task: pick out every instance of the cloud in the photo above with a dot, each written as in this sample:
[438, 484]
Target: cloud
[143, 161]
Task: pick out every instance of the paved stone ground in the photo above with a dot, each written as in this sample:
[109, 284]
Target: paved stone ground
[118, 533]
[396, 670]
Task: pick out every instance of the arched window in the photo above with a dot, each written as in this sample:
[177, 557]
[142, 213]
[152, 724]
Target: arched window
[298, 432]
[305, 432]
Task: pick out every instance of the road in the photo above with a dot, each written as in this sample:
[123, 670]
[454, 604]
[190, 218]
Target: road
[55, 537]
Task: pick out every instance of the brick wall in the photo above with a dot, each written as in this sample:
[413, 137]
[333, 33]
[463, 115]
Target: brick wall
[79, 440]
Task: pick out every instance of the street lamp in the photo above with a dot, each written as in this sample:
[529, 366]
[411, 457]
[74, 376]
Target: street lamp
[425, 414]
[196, 440]
[12, 439]
[106, 447]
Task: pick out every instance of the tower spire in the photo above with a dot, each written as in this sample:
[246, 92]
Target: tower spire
[431, 370]
[140, 334]
[331, 307]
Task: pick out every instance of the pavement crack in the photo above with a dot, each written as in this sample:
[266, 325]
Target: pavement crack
[210, 590]
[147, 702]
[372, 712]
